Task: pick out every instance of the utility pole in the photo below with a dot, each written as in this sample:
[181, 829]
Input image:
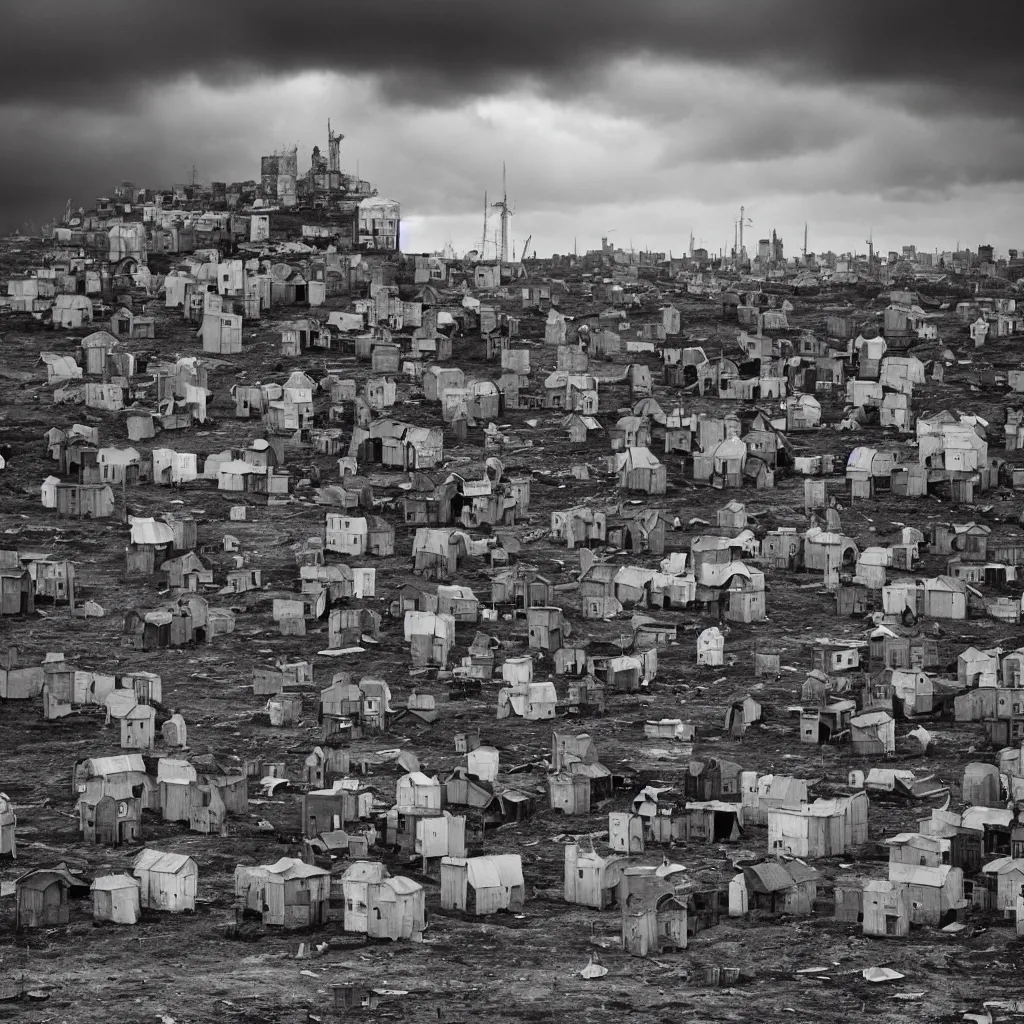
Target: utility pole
[483, 240]
[805, 239]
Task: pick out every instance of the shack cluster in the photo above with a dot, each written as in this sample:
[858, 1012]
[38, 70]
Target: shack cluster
[378, 591]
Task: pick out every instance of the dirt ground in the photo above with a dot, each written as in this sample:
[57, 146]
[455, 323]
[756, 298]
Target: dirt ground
[509, 967]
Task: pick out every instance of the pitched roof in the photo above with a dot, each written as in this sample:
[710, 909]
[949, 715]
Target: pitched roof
[365, 871]
[149, 531]
[769, 877]
[402, 886]
[159, 861]
[115, 764]
[108, 883]
[495, 871]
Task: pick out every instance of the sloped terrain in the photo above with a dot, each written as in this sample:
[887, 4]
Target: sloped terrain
[507, 968]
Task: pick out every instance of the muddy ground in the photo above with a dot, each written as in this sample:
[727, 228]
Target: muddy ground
[506, 968]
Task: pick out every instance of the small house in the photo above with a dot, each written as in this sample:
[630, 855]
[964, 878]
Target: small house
[42, 897]
[569, 792]
[547, 627]
[110, 820]
[934, 894]
[138, 728]
[442, 836]
[295, 894]
[625, 832]
[825, 828]
[788, 888]
[17, 591]
[115, 898]
[765, 793]
[638, 469]
[482, 762]
[94, 501]
[221, 333]
[8, 828]
[981, 785]
[167, 881]
[483, 885]
[591, 880]
[884, 908]
[284, 709]
[531, 701]
[653, 923]
[418, 793]
[521, 587]
[395, 909]
[1008, 874]
[873, 733]
[733, 516]
[458, 601]
[915, 848]
[207, 812]
[977, 668]
[742, 712]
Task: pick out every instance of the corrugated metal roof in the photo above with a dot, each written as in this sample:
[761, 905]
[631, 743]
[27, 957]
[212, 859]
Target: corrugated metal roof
[98, 766]
[161, 862]
[402, 886]
[149, 531]
[108, 883]
[419, 779]
[801, 872]
[170, 770]
[914, 874]
[871, 718]
[365, 871]
[481, 873]
[769, 877]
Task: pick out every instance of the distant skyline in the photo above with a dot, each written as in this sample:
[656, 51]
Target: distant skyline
[647, 121]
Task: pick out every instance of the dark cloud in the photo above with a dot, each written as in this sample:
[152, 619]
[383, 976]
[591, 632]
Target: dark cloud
[656, 92]
[73, 52]
[62, 155]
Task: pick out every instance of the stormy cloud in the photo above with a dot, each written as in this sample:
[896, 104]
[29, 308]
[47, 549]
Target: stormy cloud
[72, 52]
[670, 112]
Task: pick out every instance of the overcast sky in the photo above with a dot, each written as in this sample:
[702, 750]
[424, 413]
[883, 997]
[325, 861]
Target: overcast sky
[647, 119]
